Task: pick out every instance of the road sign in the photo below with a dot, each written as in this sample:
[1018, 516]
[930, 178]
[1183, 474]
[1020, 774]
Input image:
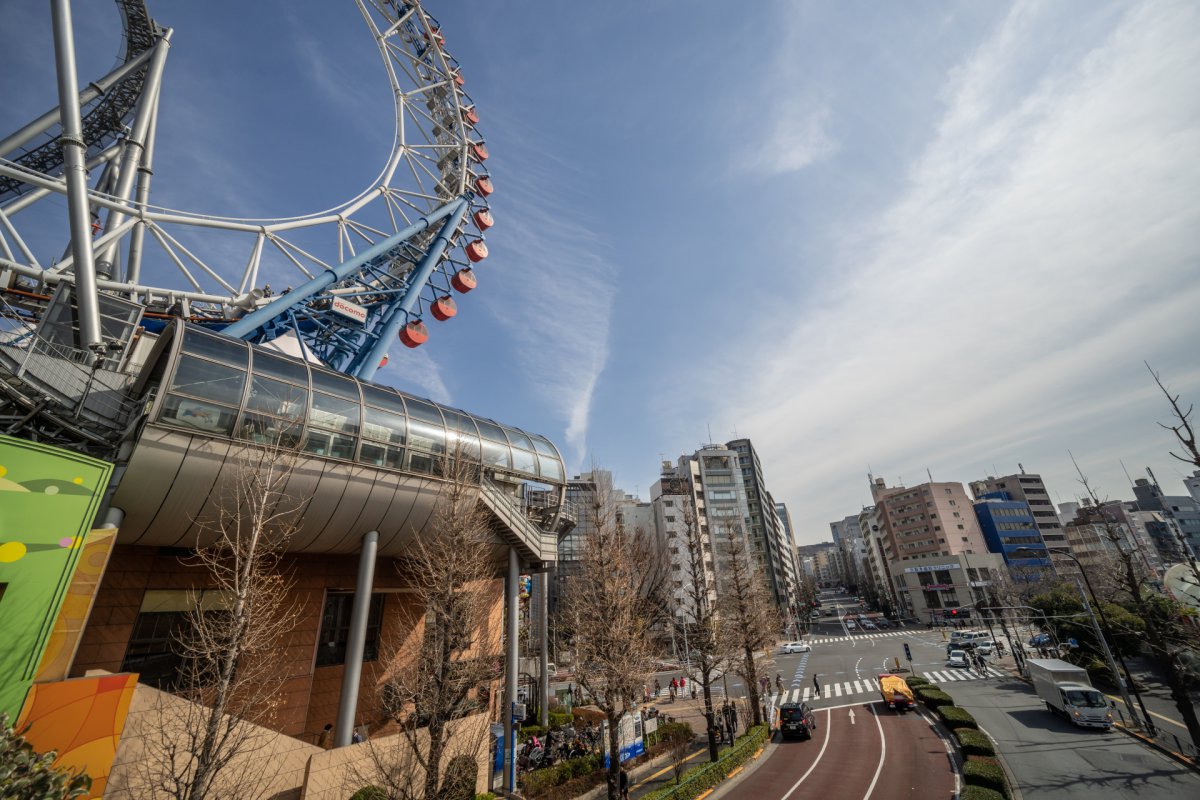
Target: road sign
[907, 652]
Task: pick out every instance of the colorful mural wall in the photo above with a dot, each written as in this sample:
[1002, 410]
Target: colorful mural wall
[48, 501]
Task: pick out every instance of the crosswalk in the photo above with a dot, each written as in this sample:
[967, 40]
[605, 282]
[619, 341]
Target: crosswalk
[838, 689]
[881, 635]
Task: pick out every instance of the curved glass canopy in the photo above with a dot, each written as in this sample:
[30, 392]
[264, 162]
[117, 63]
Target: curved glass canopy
[226, 387]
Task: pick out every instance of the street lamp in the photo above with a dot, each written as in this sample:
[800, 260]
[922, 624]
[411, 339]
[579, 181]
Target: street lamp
[1121, 681]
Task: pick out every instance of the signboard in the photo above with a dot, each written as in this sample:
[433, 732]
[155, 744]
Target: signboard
[935, 587]
[349, 310]
[933, 568]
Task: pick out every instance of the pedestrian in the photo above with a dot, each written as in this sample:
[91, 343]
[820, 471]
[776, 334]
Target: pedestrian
[816, 686]
[624, 784]
[645, 694]
[325, 740]
[693, 691]
[673, 688]
[356, 737]
[657, 687]
[733, 716]
[764, 684]
[682, 681]
[779, 682]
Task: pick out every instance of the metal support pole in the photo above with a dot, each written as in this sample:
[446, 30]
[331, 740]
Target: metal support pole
[133, 267]
[543, 631]
[510, 673]
[75, 172]
[365, 366]
[135, 146]
[352, 671]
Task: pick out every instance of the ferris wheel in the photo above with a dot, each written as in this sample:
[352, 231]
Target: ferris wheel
[358, 274]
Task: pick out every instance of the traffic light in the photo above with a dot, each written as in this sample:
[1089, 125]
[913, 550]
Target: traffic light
[907, 652]
[954, 612]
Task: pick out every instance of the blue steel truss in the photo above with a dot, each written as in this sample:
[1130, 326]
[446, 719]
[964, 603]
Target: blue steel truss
[386, 280]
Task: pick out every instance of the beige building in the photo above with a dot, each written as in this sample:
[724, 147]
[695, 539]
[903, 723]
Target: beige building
[931, 520]
[932, 589]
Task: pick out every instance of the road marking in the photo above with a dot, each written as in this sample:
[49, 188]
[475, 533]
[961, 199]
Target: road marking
[806, 691]
[858, 688]
[668, 768]
[837, 690]
[883, 751]
[851, 716]
[820, 755]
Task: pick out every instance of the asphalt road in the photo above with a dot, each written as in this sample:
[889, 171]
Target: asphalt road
[1051, 758]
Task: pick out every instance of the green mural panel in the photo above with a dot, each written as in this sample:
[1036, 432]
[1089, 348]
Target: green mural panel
[48, 500]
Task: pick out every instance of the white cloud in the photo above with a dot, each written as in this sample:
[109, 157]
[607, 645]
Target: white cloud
[558, 287]
[797, 136]
[1044, 246]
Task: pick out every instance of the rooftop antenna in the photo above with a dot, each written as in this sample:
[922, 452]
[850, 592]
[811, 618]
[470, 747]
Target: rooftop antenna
[1153, 480]
[994, 470]
[929, 474]
[1121, 461]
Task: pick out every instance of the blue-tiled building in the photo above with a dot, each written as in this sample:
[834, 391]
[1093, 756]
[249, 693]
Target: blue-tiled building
[1009, 529]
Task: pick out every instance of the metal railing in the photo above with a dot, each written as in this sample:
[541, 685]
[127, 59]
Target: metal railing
[509, 510]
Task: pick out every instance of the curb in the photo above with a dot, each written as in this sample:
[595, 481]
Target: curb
[1166, 751]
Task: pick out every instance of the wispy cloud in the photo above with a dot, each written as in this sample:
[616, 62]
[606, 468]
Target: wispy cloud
[558, 273]
[1044, 245]
[414, 370]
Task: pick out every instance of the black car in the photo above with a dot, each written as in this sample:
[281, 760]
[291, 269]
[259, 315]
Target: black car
[797, 719]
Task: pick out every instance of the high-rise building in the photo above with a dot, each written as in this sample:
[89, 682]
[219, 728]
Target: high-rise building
[1031, 489]
[1181, 513]
[1192, 482]
[673, 500]
[1009, 529]
[848, 536]
[763, 527]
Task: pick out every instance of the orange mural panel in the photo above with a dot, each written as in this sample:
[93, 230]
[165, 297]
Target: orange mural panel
[82, 719]
[77, 605]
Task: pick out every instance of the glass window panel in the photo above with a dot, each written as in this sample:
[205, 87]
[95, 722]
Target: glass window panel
[261, 429]
[384, 426]
[491, 430]
[424, 463]
[424, 436]
[497, 455]
[330, 445]
[276, 397]
[380, 455]
[197, 414]
[334, 383]
[234, 352]
[457, 421]
[334, 413]
[335, 629]
[464, 445]
[524, 461]
[209, 380]
[381, 396]
[543, 446]
[285, 369]
[518, 439]
[418, 409]
[551, 468]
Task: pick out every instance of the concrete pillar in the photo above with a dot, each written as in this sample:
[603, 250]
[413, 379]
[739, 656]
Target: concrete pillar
[510, 674]
[357, 641]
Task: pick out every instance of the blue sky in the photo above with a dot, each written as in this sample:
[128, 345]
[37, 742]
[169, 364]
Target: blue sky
[913, 236]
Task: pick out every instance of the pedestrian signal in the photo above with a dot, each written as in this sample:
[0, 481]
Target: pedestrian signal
[907, 652]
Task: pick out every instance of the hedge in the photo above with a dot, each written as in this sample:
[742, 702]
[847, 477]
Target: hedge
[540, 781]
[531, 730]
[485, 796]
[369, 793]
[974, 743]
[989, 776]
[932, 697]
[979, 793]
[915, 681]
[700, 779]
[956, 717]
[559, 719]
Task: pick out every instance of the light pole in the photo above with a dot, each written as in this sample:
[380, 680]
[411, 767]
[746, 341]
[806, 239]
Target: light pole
[1122, 683]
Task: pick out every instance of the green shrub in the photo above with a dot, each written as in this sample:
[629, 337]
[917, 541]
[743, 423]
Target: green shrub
[540, 781]
[485, 796]
[933, 697]
[531, 730]
[369, 793]
[560, 718]
[25, 774]
[915, 681]
[956, 717]
[979, 793]
[974, 743]
[706, 776]
[989, 776]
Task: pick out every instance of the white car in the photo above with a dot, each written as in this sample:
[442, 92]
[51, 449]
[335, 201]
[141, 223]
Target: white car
[795, 647]
[958, 658]
[851, 625]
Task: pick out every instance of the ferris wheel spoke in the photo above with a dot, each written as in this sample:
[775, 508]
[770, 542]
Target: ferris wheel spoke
[18, 241]
[156, 232]
[362, 229]
[197, 261]
[250, 274]
[291, 247]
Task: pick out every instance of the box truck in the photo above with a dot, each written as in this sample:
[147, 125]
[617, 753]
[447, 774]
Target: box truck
[1067, 691]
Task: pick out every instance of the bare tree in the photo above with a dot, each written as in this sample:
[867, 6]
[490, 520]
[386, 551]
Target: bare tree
[607, 611]
[1167, 634]
[443, 669]
[708, 647]
[230, 678]
[1182, 429]
[748, 616]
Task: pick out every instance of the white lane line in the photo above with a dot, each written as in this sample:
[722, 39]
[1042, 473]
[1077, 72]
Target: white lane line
[858, 688]
[931, 676]
[820, 755]
[837, 689]
[804, 697]
[882, 754]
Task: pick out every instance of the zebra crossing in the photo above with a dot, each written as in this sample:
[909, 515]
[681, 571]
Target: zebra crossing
[857, 636]
[838, 689]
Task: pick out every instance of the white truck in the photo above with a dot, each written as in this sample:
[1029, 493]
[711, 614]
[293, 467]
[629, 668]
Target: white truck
[1068, 691]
